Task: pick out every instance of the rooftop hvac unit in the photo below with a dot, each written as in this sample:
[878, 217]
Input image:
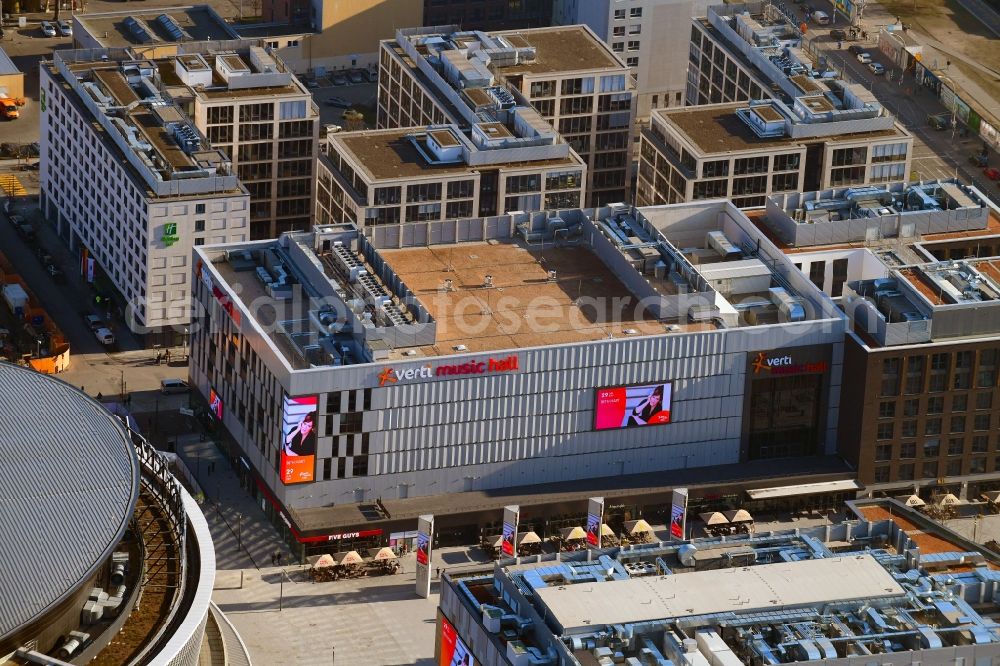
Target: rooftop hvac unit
[72, 644]
[92, 612]
[487, 281]
[118, 574]
[552, 276]
[447, 285]
[357, 272]
[460, 348]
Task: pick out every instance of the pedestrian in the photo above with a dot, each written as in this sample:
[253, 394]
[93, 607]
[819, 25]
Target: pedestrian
[274, 558]
[167, 355]
[83, 389]
[100, 396]
[439, 572]
[279, 558]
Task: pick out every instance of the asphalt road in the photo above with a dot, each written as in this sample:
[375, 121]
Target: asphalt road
[936, 154]
[983, 13]
[63, 302]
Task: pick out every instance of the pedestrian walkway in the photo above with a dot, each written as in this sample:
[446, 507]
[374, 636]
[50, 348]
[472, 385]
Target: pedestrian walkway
[244, 538]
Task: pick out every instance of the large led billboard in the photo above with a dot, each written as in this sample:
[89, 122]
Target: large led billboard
[453, 651]
[632, 406]
[298, 439]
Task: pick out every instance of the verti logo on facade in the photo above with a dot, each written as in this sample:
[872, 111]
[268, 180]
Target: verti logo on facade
[392, 375]
[785, 365]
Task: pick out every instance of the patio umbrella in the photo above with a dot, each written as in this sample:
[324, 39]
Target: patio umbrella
[607, 531]
[529, 537]
[739, 516]
[948, 500]
[499, 540]
[913, 500]
[350, 557]
[992, 496]
[323, 561]
[380, 554]
[637, 527]
[714, 518]
[573, 533]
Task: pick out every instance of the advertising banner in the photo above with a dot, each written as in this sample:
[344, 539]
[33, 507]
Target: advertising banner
[453, 651]
[632, 406]
[595, 518]
[298, 439]
[90, 269]
[678, 514]
[425, 552]
[215, 403]
[508, 545]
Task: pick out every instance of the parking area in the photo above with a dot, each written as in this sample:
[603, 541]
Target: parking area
[333, 100]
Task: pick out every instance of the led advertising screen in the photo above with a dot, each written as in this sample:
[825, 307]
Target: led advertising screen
[298, 439]
[632, 406]
[678, 513]
[423, 545]
[507, 545]
[453, 651]
[215, 403]
[593, 529]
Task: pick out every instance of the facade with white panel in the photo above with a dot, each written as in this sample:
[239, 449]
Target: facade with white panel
[128, 183]
[510, 352]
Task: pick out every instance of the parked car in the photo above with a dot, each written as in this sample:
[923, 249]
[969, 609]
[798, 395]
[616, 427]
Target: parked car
[65, 29]
[821, 18]
[93, 322]
[877, 68]
[371, 76]
[855, 49]
[105, 336]
[864, 57]
[168, 386]
[338, 80]
[356, 77]
[838, 34]
[312, 84]
[992, 173]
[338, 102]
[48, 29]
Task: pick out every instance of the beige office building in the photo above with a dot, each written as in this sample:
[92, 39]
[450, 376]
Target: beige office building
[406, 177]
[571, 78]
[746, 152]
[250, 106]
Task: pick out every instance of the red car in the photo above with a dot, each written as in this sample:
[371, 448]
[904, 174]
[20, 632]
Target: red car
[992, 173]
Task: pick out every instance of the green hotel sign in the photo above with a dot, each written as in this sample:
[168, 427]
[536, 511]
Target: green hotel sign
[169, 236]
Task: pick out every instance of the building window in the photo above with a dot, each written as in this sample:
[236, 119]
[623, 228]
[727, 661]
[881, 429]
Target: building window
[977, 466]
[954, 467]
[885, 431]
[750, 165]
[887, 409]
[932, 427]
[958, 424]
[619, 14]
[618, 31]
[715, 169]
[199, 209]
[633, 45]
[618, 47]
[882, 474]
[905, 472]
[956, 446]
[817, 275]
[935, 405]
[839, 277]
[635, 12]
[883, 452]
[908, 450]
[909, 428]
[199, 241]
[890, 366]
[423, 192]
[932, 448]
[930, 470]
[959, 403]
[980, 443]
[632, 62]
[199, 225]
[984, 400]
[981, 422]
[635, 30]
[850, 156]
[911, 407]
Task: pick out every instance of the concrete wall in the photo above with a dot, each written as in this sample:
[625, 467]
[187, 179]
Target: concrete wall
[354, 28]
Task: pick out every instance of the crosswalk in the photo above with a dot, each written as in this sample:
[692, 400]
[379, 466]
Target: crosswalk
[12, 187]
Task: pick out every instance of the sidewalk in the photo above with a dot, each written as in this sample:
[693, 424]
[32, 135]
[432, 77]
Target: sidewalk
[244, 538]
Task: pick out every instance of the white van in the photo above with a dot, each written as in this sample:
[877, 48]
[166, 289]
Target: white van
[105, 336]
[821, 18]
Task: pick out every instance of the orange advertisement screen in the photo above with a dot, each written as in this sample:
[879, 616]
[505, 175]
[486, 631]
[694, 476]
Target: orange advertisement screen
[298, 439]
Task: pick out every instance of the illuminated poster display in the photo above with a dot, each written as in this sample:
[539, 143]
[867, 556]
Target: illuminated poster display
[298, 439]
[215, 403]
[595, 518]
[453, 651]
[508, 543]
[425, 552]
[632, 406]
[678, 514]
